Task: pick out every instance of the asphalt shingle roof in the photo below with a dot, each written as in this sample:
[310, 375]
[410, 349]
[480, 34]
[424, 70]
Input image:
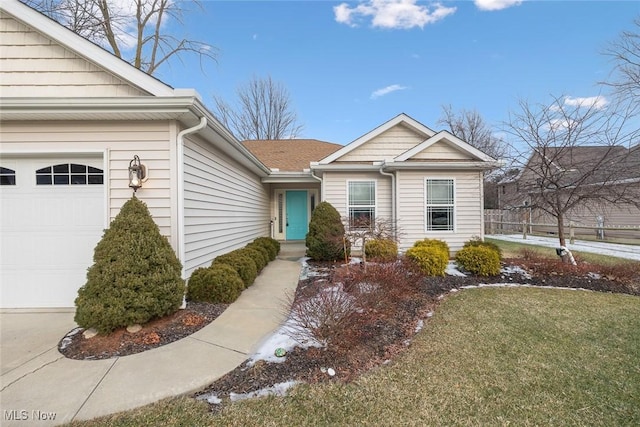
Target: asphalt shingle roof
[290, 155]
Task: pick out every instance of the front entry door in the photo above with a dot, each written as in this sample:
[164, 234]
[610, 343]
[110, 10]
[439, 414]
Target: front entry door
[297, 225]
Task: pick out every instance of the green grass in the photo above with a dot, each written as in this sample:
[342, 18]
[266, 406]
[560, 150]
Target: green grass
[513, 250]
[492, 356]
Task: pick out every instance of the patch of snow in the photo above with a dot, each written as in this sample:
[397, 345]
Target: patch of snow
[515, 269]
[454, 290]
[355, 260]
[430, 314]
[279, 389]
[452, 270]
[281, 338]
[367, 288]
[594, 276]
[419, 326]
[211, 398]
[66, 341]
[609, 249]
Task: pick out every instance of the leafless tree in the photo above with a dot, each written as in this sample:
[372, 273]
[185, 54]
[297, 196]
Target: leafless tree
[134, 31]
[469, 126]
[625, 54]
[361, 230]
[575, 155]
[263, 111]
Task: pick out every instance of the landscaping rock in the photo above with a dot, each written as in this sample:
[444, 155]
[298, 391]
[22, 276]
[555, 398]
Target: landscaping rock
[89, 333]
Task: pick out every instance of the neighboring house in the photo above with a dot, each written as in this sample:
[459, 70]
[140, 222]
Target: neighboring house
[73, 117]
[570, 167]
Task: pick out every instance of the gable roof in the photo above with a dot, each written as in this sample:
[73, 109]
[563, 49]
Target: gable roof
[450, 138]
[290, 155]
[399, 119]
[84, 48]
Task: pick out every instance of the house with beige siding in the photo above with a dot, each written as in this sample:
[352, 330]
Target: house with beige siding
[73, 117]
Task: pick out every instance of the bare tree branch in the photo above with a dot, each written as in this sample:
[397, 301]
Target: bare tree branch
[140, 29]
[264, 111]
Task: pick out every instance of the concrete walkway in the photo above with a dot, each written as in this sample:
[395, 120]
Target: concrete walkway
[610, 249]
[38, 383]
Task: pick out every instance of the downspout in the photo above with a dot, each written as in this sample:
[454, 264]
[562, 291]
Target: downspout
[394, 203]
[317, 178]
[181, 230]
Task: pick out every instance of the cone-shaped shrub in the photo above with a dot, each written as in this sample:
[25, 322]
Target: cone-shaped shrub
[325, 239]
[135, 276]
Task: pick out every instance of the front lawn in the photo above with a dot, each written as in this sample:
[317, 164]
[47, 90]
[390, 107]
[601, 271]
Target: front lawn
[489, 356]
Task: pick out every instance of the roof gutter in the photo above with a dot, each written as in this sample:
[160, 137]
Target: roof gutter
[180, 169]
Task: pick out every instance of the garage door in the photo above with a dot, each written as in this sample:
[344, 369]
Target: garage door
[51, 217]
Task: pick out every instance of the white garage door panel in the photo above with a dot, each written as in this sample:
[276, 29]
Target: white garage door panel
[49, 233]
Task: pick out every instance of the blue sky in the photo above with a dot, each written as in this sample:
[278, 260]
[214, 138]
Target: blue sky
[349, 67]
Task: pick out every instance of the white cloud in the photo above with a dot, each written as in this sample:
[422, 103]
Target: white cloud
[496, 4]
[392, 14]
[386, 90]
[597, 102]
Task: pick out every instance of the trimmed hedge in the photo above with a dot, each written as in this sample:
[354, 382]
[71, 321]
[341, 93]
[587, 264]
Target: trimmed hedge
[219, 283]
[381, 249]
[256, 255]
[479, 260]
[263, 251]
[135, 277]
[432, 259]
[272, 245]
[242, 264]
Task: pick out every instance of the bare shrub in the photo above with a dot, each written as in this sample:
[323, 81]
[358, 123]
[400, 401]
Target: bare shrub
[323, 317]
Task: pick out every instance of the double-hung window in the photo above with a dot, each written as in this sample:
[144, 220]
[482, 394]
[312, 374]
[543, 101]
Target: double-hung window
[439, 204]
[362, 203]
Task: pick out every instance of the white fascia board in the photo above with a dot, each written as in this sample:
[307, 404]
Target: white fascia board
[451, 138]
[84, 48]
[346, 167]
[289, 178]
[400, 118]
[469, 165]
[141, 103]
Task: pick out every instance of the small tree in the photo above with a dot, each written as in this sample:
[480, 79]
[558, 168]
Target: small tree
[326, 238]
[364, 230]
[135, 276]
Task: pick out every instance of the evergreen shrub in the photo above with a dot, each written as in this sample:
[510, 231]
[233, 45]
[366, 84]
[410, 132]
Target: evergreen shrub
[272, 245]
[479, 260]
[434, 243]
[325, 240]
[257, 256]
[432, 259]
[135, 276]
[381, 249]
[490, 245]
[219, 283]
[242, 264]
[263, 251]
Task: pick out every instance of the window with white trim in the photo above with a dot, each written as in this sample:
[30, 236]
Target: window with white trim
[69, 174]
[361, 197]
[439, 204]
[7, 176]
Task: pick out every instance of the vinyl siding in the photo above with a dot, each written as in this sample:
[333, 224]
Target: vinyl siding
[385, 146]
[32, 65]
[122, 140]
[226, 206]
[441, 151]
[411, 209]
[335, 191]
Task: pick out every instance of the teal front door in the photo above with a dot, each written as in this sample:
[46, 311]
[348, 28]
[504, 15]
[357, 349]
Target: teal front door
[297, 225]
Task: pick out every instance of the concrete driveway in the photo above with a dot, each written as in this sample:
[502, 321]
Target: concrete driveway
[27, 335]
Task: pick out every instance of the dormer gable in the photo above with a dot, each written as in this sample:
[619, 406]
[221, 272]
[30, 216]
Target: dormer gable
[443, 146]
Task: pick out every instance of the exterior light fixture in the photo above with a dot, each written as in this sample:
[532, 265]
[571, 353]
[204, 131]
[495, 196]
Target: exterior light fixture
[137, 173]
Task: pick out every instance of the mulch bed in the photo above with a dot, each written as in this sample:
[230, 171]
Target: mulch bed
[384, 338]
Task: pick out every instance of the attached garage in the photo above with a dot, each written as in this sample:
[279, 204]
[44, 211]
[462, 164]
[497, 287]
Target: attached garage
[52, 214]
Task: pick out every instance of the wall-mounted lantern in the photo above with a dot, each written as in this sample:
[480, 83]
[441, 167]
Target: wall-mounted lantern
[137, 173]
